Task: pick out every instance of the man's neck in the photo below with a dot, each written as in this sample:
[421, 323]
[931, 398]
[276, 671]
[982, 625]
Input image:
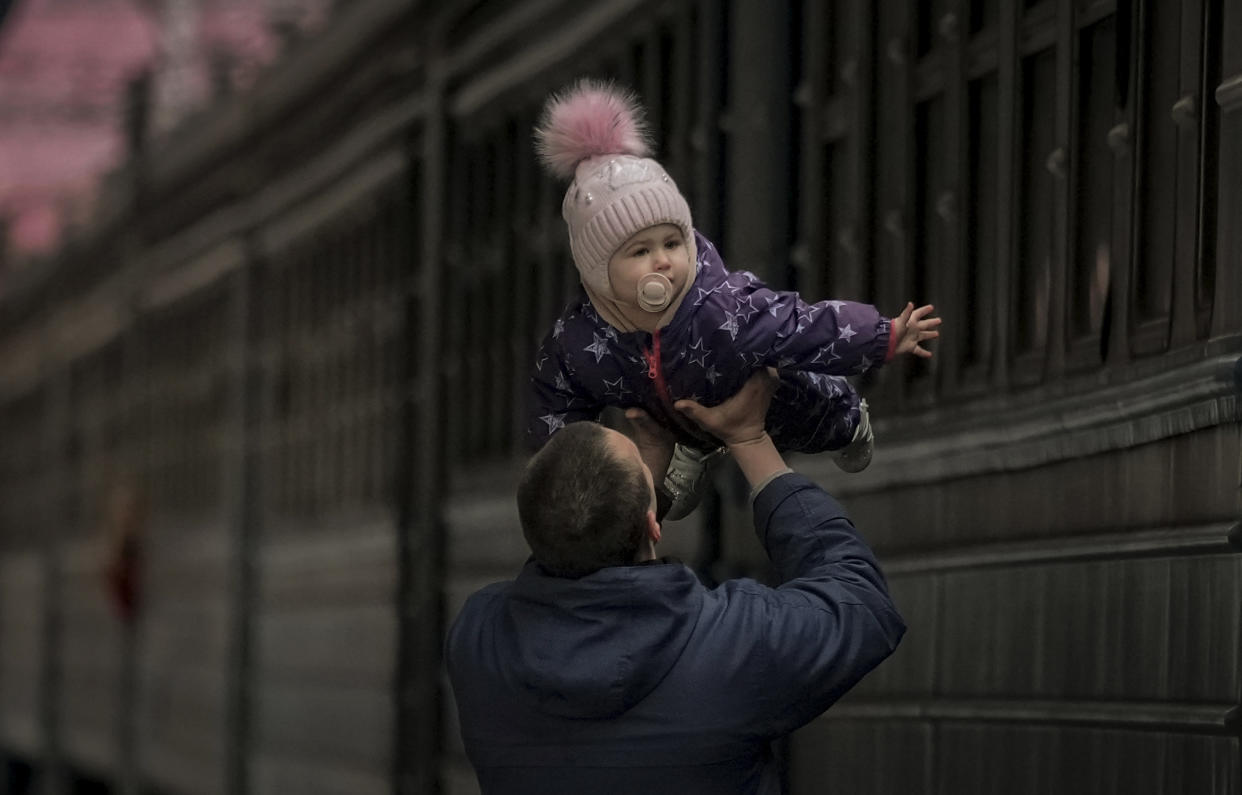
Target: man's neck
[645, 553]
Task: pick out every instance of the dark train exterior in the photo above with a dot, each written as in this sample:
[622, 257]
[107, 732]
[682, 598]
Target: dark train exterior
[272, 394]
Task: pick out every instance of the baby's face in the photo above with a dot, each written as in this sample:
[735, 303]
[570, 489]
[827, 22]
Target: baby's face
[657, 249]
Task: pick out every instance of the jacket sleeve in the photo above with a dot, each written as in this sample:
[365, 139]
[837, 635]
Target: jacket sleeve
[555, 398]
[831, 619]
[781, 330]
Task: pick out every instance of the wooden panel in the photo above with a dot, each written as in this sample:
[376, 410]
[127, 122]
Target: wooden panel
[1158, 177]
[182, 700]
[912, 669]
[26, 466]
[274, 775]
[1030, 307]
[861, 757]
[1090, 269]
[1227, 274]
[481, 522]
[89, 654]
[176, 405]
[1202, 764]
[834, 194]
[319, 724]
[23, 616]
[1189, 116]
[977, 318]
[1187, 479]
[323, 642]
[708, 196]
[934, 245]
[454, 270]
[758, 157]
[1096, 631]
[333, 315]
[97, 394]
[984, 14]
[187, 752]
[1008, 168]
[889, 757]
[324, 659]
[1080, 762]
[894, 153]
[1204, 282]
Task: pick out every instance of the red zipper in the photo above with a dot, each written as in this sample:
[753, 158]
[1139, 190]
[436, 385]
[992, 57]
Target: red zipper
[655, 372]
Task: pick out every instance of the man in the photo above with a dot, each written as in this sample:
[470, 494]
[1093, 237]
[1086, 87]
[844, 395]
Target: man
[603, 669]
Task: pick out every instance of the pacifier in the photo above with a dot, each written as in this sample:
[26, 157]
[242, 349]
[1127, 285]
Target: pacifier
[655, 292]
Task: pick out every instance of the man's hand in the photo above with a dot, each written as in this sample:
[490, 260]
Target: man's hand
[740, 418]
[654, 442]
[912, 327]
[739, 423]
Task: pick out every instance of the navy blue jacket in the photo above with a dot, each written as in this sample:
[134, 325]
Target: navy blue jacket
[638, 679]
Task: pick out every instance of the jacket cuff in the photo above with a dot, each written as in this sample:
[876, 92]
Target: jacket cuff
[892, 343]
[763, 484]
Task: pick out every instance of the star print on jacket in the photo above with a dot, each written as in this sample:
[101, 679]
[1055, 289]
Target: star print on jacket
[703, 294]
[599, 347]
[699, 353]
[730, 325]
[554, 422]
[616, 388]
[746, 308]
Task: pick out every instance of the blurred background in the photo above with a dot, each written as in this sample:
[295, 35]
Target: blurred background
[272, 273]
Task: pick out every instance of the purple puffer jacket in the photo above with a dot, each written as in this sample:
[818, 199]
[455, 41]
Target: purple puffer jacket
[728, 326]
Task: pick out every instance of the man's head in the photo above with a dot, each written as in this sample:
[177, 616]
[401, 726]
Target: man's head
[587, 501]
[595, 134]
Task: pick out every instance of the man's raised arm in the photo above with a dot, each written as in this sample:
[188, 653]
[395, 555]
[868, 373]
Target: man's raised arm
[831, 620]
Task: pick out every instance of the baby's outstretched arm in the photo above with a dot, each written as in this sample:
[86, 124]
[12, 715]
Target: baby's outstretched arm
[912, 327]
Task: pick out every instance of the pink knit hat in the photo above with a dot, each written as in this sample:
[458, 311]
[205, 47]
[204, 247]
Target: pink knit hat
[595, 133]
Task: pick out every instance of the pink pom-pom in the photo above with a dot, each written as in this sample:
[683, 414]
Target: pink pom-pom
[590, 119]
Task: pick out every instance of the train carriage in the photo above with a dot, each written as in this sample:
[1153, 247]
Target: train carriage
[285, 365]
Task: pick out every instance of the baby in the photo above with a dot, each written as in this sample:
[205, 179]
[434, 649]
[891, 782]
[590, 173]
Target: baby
[661, 319]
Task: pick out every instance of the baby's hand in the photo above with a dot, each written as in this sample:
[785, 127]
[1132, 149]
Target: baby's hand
[912, 327]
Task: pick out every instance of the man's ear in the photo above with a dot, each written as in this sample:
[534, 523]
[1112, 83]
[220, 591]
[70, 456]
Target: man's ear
[653, 528]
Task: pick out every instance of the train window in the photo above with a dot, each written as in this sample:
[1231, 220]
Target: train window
[331, 352]
[983, 14]
[1205, 271]
[935, 19]
[1094, 180]
[25, 465]
[1034, 208]
[981, 251]
[1157, 179]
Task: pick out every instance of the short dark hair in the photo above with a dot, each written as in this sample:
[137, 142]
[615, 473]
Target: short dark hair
[582, 508]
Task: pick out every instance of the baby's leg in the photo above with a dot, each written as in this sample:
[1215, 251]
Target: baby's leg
[812, 412]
